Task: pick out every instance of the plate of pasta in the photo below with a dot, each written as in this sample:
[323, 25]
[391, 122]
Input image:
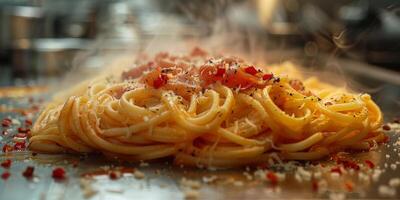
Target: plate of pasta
[202, 110]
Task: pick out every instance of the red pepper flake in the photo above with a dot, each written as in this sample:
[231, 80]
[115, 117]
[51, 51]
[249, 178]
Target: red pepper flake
[75, 163]
[336, 170]
[251, 70]
[28, 173]
[6, 163]
[386, 127]
[7, 148]
[271, 176]
[386, 139]
[220, 72]
[19, 146]
[23, 130]
[20, 135]
[349, 186]
[348, 164]
[315, 185]
[267, 76]
[262, 166]
[6, 122]
[58, 173]
[370, 164]
[160, 81]
[35, 107]
[114, 175]
[28, 122]
[5, 175]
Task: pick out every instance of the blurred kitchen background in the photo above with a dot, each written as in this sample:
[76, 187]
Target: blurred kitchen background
[40, 40]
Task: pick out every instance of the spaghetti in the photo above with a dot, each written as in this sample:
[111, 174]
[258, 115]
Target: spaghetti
[208, 111]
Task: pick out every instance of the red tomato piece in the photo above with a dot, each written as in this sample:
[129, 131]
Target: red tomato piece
[5, 175]
[267, 76]
[272, 177]
[28, 173]
[59, 173]
[251, 70]
[160, 81]
[19, 146]
[220, 72]
[370, 164]
[6, 163]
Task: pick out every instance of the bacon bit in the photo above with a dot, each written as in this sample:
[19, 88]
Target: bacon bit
[220, 72]
[251, 70]
[370, 164]
[397, 120]
[160, 81]
[267, 76]
[6, 163]
[349, 186]
[6, 122]
[336, 170]
[114, 175]
[386, 127]
[28, 173]
[28, 122]
[19, 146]
[271, 176]
[315, 185]
[5, 175]
[7, 148]
[58, 173]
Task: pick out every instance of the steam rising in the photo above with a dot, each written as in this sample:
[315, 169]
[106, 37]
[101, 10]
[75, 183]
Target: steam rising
[219, 36]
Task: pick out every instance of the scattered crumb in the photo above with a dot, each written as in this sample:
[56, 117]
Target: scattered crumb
[238, 183]
[386, 191]
[209, 179]
[317, 175]
[15, 122]
[394, 182]
[190, 183]
[337, 196]
[143, 164]
[115, 190]
[248, 176]
[190, 188]
[138, 174]
[376, 174]
[87, 188]
[322, 186]
[191, 194]
[393, 166]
